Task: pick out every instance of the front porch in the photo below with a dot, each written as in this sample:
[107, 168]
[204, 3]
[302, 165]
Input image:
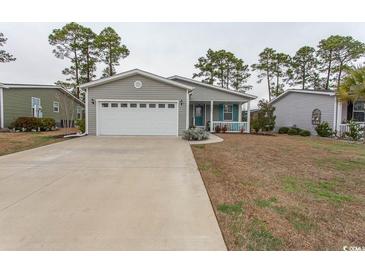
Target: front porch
[212, 114]
[347, 111]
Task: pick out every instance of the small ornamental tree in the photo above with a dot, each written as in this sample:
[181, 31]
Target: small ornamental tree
[265, 115]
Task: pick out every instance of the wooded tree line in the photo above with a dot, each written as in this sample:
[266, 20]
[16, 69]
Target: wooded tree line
[85, 49]
[320, 68]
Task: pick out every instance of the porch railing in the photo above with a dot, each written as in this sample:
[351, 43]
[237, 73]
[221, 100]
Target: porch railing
[345, 127]
[231, 126]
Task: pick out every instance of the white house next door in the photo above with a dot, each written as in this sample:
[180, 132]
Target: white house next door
[137, 118]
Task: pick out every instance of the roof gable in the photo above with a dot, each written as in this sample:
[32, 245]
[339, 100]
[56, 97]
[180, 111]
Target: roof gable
[303, 91]
[229, 91]
[35, 86]
[135, 72]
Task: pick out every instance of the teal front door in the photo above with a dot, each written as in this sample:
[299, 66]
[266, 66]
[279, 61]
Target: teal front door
[199, 116]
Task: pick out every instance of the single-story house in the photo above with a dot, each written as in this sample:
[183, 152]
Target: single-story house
[137, 102]
[308, 108]
[29, 100]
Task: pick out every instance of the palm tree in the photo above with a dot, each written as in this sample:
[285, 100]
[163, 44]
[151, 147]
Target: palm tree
[352, 87]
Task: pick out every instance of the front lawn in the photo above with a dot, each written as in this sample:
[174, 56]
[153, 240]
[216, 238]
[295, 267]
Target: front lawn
[286, 192]
[14, 142]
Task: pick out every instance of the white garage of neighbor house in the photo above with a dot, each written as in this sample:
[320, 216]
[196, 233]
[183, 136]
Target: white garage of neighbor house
[137, 102]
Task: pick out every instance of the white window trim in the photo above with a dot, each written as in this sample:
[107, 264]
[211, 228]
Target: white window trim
[224, 112]
[361, 111]
[58, 106]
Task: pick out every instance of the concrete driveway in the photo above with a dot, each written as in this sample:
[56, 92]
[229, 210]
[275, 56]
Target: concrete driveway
[106, 193]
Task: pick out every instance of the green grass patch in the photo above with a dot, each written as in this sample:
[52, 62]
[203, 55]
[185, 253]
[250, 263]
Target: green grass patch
[199, 146]
[320, 189]
[231, 209]
[299, 221]
[260, 238]
[339, 147]
[290, 184]
[265, 203]
[343, 164]
[325, 190]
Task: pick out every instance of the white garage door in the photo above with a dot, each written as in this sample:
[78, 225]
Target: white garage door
[137, 118]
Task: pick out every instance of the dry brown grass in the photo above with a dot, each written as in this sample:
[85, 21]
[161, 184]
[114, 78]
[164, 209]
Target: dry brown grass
[286, 192]
[14, 142]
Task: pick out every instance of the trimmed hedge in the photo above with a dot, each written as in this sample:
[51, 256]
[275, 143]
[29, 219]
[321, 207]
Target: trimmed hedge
[293, 131]
[33, 123]
[305, 133]
[283, 130]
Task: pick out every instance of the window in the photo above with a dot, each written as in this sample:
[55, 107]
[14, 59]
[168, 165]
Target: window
[227, 113]
[36, 107]
[56, 106]
[79, 113]
[123, 105]
[142, 105]
[316, 117]
[133, 105]
[104, 105]
[161, 105]
[114, 105]
[171, 105]
[359, 111]
[152, 105]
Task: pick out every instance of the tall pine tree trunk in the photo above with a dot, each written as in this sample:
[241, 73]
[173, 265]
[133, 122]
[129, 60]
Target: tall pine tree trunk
[268, 84]
[329, 71]
[339, 76]
[110, 62]
[77, 74]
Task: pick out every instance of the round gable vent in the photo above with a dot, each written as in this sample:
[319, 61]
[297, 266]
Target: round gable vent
[137, 84]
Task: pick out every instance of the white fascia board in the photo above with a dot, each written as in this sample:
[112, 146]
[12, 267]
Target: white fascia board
[134, 72]
[326, 93]
[246, 95]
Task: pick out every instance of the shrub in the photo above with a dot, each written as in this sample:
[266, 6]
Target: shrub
[283, 130]
[324, 130]
[304, 133]
[355, 131]
[80, 124]
[293, 131]
[255, 125]
[265, 117]
[218, 129]
[33, 123]
[224, 129]
[26, 123]
[195, 134]
[46, 124]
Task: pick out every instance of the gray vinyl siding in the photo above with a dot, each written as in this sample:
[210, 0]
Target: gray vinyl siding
[201, 93]
[296, 109]
[124, 89]
[18, 103]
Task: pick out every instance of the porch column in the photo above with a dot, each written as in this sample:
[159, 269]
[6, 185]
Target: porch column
[239, 112]
[211, 116]
[248, 117]
[194, 115]
[338, 119]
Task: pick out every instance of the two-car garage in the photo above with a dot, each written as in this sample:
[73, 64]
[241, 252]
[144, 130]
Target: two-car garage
[136, 102]
[121, 117]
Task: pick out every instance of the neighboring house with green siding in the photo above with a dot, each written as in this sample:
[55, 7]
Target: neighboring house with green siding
[47, 101]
